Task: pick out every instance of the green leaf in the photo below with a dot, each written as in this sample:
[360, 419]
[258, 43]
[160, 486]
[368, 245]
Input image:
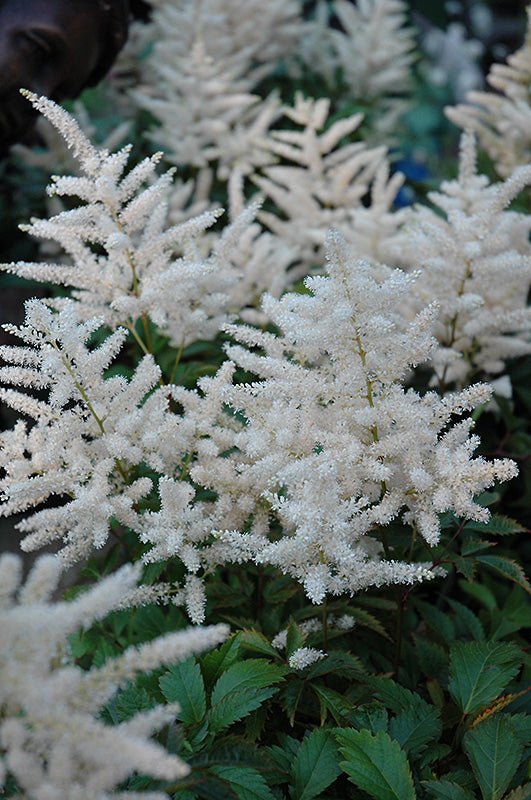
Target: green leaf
[480, 671]
[183, 684]
[508, 568]
[414, 727]
[367, 620]
[128, 702]
[254, 673]
[315, 766]
[494, 751]
[245, 782]
[479, 592]
[431, 657]
[373, 717]
[446, 790]
[213, 664]
[520, 793]
[334, 702]
[242, 688]
[497, 525]
[468, 620]
[294, 638]
[440, 623]
[236, 705]
[377, 764]
[394, 696]
[339, 663]
[256, 642]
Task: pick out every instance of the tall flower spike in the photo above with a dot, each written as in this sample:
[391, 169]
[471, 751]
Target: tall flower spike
[121, 254]
[323, 182]
[87, 435]
[375, 51]
[54, 742]
[476, 264]
[502, 118]
[199, 79]
[333, 444]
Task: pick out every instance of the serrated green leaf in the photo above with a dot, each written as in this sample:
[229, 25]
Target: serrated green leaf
[472, 546]
[368, 620]
[434, 752]
[522, 792]
[480, 671]
[373, 717]
[291, 696]
[242, 688]
[339, 663]
[254, 673]
[256, 642]
[498, 525]
[494, 752]
[183, 684]
[128, 702]
[414, 727]
[294, 638]
[246, 782]
[446, 790]
[394, 696]
[480, 593]
[377, 764]
[234, 706]
[217, 661]
[315, 766]
[431, 657]
[468, 620]
[332, 701]
[437, 621]
[508, 568]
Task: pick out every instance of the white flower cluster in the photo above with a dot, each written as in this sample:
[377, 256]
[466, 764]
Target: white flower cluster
[334, 443]
[52, 739]
[206, 59]
[327, 440]
[126, 264]
[475, 259]
[372, 48]
[502, 118]
[324, 184]
[88, 433]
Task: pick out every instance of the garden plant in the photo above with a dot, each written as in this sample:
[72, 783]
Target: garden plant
[268, 415]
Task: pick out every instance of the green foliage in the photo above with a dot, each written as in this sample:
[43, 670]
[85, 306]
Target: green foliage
[375, 763]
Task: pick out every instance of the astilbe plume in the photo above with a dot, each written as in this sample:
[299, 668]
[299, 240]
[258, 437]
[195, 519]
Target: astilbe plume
[198, 81]
[323, 183]
[123, 258]
[476, 264]
[502, 118]
[53, 740]
[375, 51]
[88, 434]
[330, 442]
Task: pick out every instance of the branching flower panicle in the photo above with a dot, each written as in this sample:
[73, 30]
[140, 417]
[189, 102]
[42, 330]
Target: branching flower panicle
[54, 741]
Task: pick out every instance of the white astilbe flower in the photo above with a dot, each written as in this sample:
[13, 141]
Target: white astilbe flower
[375, 51]
[324, 184]
[304, 657]
[476, 264]
[198, 81]
[88, 433]
[333, 444]
[124, 263]
[52, 739]
[315, 625]
[454, 59]
[502, 118]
